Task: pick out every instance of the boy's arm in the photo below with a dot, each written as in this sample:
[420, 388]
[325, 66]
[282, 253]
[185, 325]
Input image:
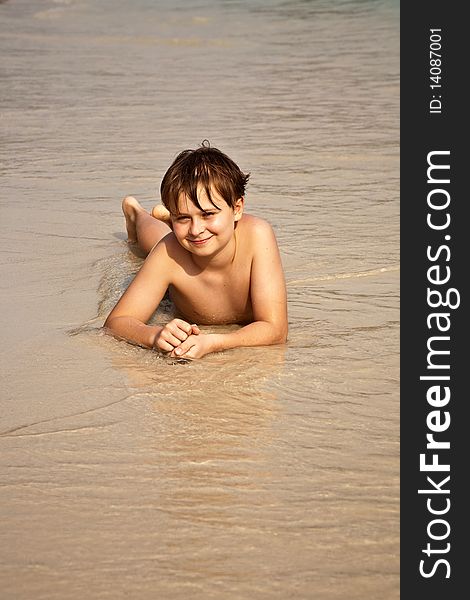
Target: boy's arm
[268, 297]
[269, 303]
[129, 317]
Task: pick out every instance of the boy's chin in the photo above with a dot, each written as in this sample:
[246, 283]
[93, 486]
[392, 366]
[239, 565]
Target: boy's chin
[201, 251]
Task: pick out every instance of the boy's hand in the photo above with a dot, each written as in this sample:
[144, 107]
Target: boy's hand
[195, 346]
[173, 333]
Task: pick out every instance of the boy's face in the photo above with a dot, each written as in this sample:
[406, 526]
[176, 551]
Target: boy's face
[205, 232]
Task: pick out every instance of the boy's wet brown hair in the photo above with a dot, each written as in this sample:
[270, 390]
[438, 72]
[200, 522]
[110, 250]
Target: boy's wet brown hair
[207, 167]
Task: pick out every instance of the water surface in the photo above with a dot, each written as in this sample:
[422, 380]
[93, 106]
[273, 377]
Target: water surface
[254, 473]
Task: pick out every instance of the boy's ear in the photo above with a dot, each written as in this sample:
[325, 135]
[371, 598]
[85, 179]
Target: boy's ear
[238, 208]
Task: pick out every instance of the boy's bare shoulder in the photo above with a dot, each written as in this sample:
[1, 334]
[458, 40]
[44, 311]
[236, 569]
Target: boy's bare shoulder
[169, 250]
[167, 246]
[256, 229]
[255, 225]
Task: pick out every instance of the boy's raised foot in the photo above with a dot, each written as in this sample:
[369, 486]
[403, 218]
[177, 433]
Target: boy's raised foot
[130, 208]
[161, 213]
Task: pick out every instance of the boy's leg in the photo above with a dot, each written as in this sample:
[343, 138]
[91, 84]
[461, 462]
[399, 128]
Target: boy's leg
[142, 229]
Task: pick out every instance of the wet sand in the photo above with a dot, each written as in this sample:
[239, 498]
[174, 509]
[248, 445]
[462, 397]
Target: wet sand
[256, 473]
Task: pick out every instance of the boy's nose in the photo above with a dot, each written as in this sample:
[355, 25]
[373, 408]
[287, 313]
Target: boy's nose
[196, 228]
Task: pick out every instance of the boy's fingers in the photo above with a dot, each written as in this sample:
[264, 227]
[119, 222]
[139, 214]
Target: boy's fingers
[179, 329]
[174, 340]
[195, 329]
[169, 339]
[183, 325]
[178, 334]
[165, 346]
[184, 347]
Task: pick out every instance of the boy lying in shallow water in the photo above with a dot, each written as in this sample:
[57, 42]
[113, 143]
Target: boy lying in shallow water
[218, 264]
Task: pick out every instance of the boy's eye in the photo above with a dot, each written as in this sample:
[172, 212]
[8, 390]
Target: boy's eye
[209, 214]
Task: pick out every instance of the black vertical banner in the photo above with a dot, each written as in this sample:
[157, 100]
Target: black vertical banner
[434, 300]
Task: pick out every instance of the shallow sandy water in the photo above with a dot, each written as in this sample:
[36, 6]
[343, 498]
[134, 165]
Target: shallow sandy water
[261, 473]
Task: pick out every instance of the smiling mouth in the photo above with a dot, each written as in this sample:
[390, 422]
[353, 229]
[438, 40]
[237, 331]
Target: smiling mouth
[199, 242]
